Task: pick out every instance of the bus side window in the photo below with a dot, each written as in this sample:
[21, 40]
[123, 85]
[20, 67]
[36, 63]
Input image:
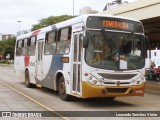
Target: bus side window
[19, 48]
[25, 46]
[31, 46]
[50, 43]
[64, 40]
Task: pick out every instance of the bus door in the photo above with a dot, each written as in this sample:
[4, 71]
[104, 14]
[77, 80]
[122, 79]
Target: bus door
[76, 69]
[39, 65]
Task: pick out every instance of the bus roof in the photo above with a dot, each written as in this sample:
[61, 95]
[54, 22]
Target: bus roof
[66, 23]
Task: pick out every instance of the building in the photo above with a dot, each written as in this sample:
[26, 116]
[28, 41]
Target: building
[148, 12]
[6, 36]
[114, 4]
[87, 10]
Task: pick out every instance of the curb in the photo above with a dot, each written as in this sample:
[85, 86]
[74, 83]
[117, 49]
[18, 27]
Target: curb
[153, 85]
[6, 64]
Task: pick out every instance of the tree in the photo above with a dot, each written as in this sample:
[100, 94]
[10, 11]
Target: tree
[50, 21]
[7, 47]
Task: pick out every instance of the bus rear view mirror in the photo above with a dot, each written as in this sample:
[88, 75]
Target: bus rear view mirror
[85, 42]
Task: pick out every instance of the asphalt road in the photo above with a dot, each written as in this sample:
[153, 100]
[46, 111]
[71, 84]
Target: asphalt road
[49, 100]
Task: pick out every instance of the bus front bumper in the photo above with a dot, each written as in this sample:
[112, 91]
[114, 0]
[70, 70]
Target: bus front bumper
[90, 91]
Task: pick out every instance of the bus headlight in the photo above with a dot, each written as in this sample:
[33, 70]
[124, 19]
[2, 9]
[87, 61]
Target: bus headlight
[142, 79]
[102, 79]
[90, 77]
[133, 81]
[138, 81]
[92, 80]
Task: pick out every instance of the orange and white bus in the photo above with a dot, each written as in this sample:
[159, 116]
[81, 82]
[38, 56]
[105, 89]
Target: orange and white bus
[88, 56]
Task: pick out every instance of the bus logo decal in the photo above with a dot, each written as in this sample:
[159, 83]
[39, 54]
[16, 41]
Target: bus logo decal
[118, 83]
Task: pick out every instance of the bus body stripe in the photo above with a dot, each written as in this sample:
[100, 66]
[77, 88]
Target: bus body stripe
[35, 32]
[56, 65]
[26, 61]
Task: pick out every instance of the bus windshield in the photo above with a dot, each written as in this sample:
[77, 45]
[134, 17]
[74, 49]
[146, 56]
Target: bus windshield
[115, 50]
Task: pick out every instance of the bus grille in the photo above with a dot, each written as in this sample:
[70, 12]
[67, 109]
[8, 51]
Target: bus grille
[116, 90]
[122, 83]
[117, 76]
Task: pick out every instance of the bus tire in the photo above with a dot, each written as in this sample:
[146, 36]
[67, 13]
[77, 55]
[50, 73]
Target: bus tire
[27, 81]
[62, 90]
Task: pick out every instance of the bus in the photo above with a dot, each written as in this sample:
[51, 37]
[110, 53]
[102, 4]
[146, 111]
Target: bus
[88, 56]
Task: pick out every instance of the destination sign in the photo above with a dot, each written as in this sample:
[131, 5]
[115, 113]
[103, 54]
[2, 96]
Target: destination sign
[112, 23]
[115, 24]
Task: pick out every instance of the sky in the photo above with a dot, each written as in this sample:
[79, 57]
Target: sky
[30, 12]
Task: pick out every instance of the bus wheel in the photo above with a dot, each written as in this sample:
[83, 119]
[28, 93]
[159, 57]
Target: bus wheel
[62, 90]
[27, 82]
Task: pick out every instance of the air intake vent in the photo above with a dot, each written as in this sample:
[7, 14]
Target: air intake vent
[117, 90]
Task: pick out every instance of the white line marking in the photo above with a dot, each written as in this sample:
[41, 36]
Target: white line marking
[40, 104]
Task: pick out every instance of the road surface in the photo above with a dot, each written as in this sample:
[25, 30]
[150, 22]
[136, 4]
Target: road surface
[49, 100]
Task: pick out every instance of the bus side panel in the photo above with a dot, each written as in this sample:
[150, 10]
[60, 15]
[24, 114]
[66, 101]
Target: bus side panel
[67, 74]
[17, 67]
[22, 74]
[31, 69]
[51, 64]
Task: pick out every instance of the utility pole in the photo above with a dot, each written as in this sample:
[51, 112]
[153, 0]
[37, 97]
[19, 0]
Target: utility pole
[19, 27]
[73, 7]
